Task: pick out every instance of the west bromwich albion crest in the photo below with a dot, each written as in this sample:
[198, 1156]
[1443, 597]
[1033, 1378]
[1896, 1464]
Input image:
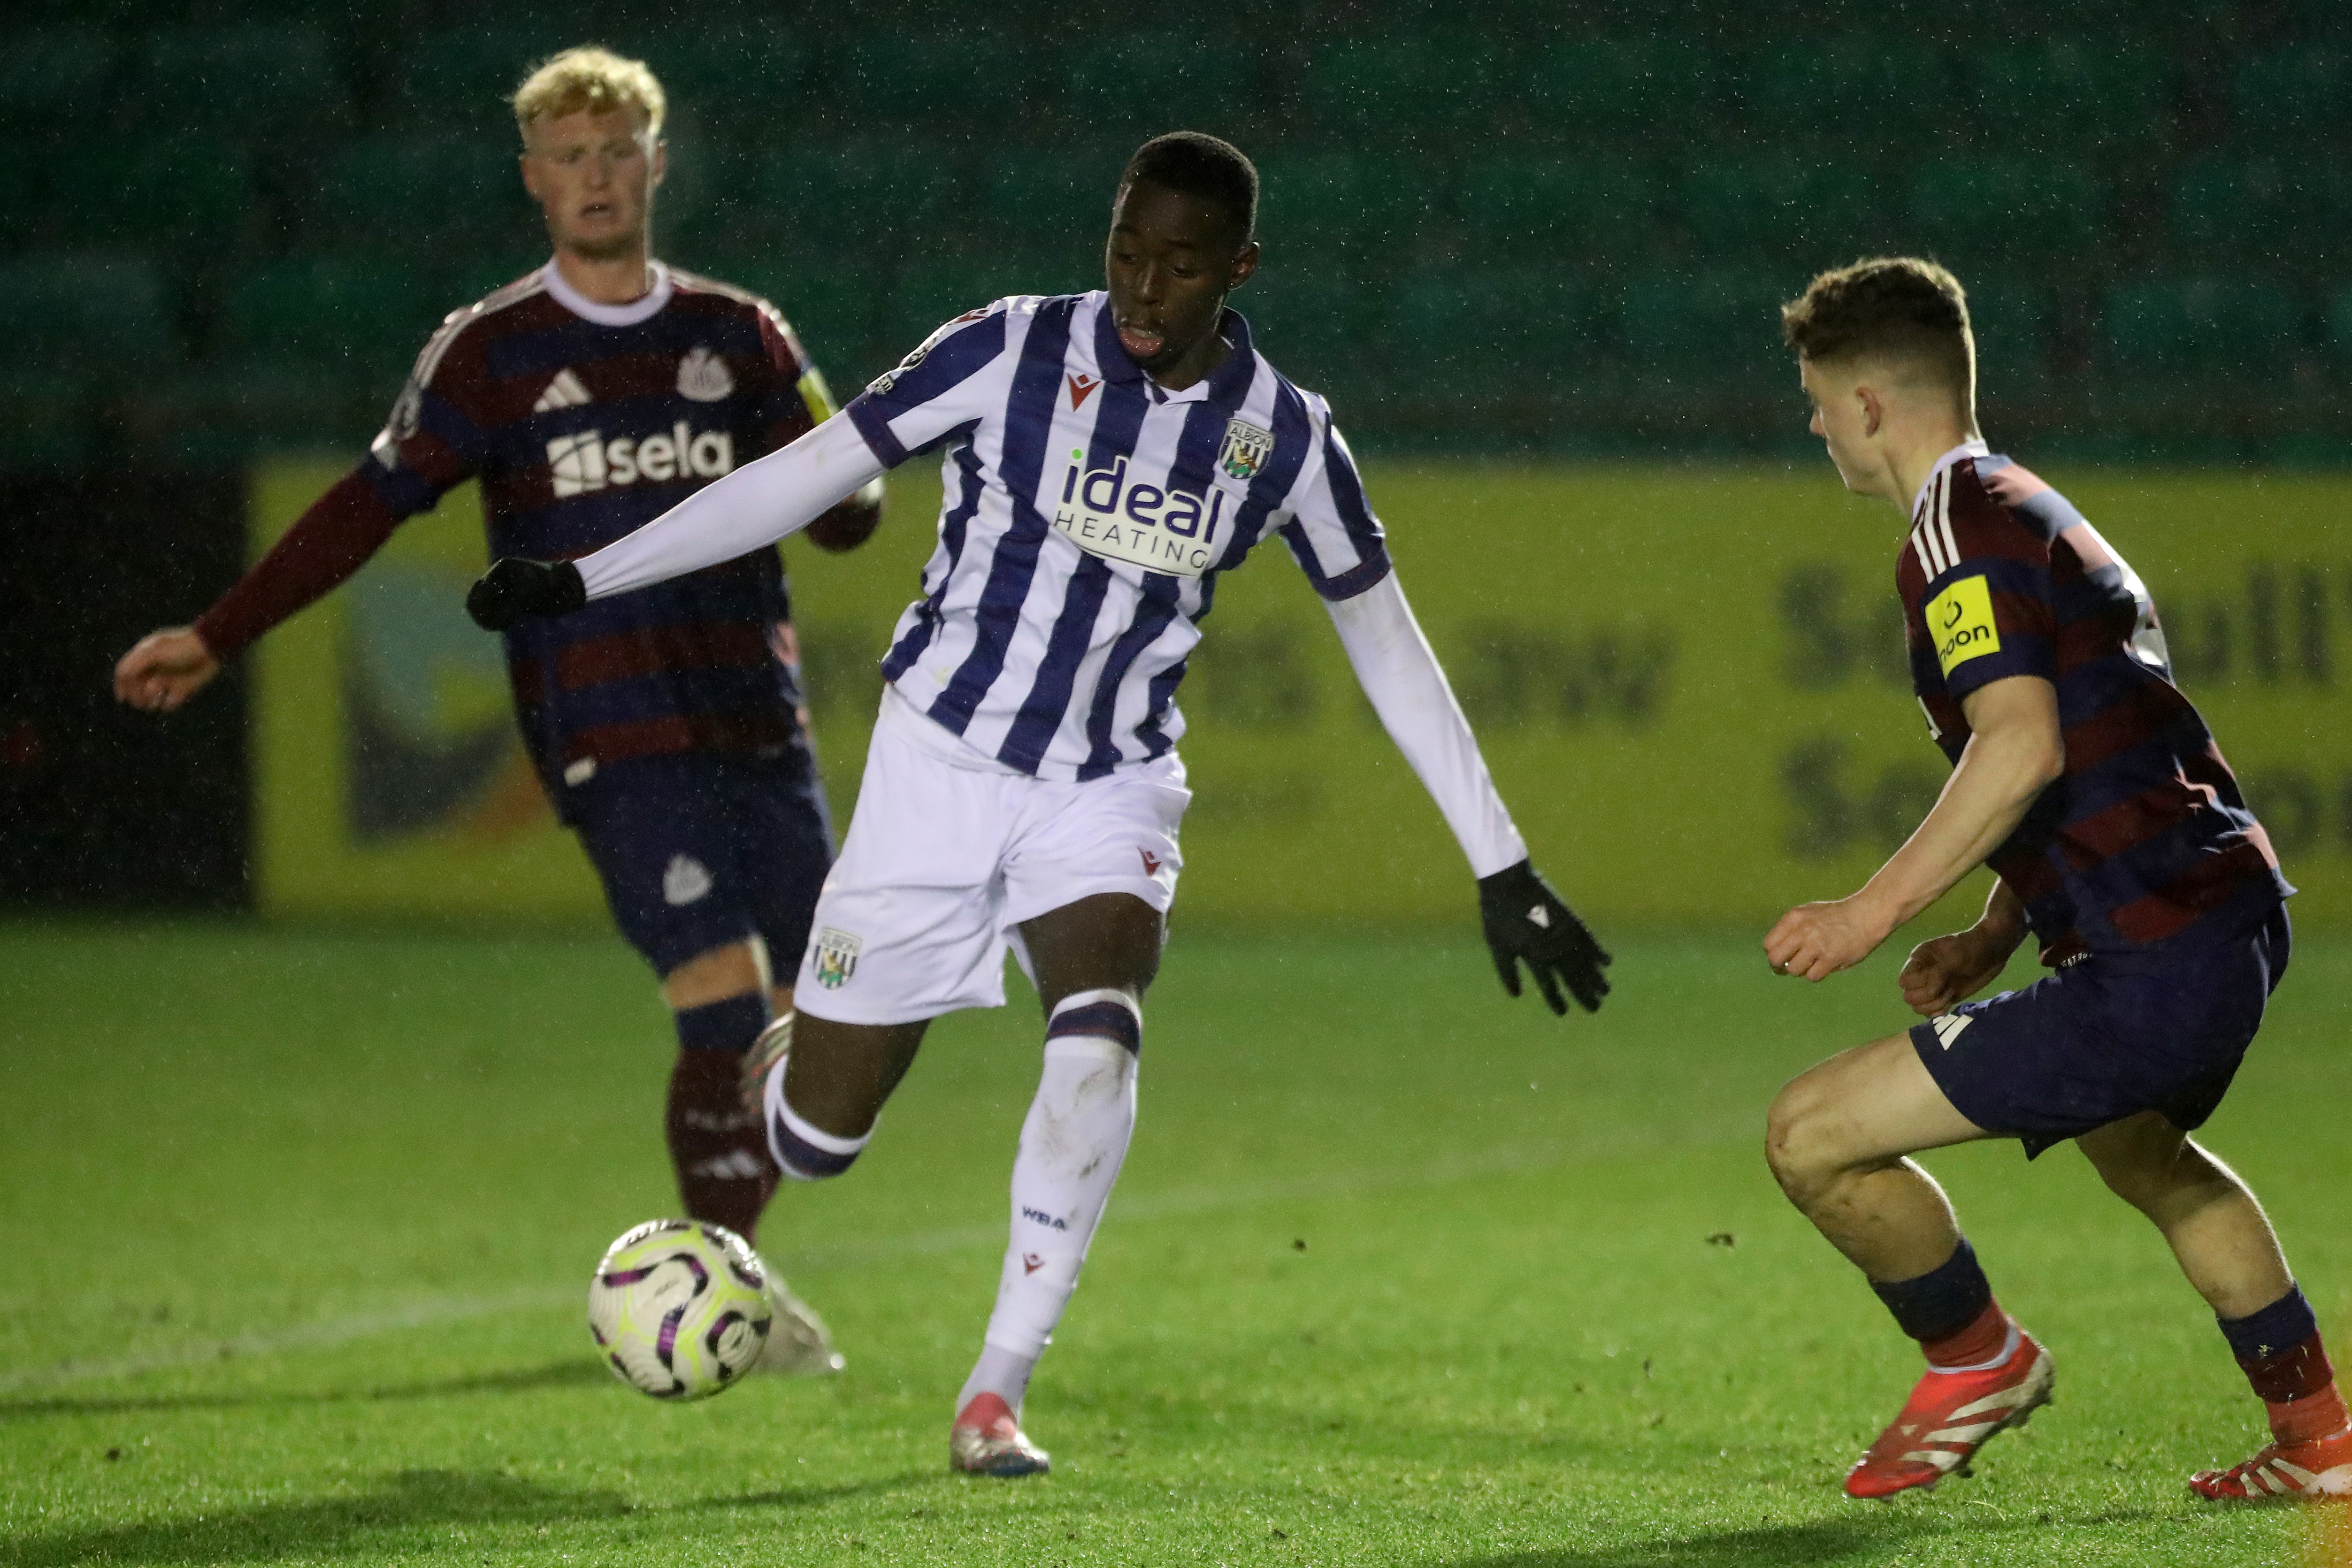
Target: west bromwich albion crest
[1246, 449]
[834, 957]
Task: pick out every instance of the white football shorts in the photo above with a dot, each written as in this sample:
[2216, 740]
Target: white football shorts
[949, 850]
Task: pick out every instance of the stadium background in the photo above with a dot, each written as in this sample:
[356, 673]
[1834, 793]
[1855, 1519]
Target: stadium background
[1531, 255]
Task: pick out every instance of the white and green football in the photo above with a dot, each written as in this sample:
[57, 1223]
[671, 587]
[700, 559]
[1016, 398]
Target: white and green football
[680, 1308]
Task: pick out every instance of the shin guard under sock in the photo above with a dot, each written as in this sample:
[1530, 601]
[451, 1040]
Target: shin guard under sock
[1072, 1144]
[2279, 1352]
[1950, 1310]
[716, 1146]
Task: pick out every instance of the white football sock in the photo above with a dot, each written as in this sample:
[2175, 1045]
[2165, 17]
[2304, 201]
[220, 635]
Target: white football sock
[1071, 1147]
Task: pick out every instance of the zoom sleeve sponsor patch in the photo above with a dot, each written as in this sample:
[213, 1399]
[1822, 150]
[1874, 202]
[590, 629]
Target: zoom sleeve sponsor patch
[1960, 620]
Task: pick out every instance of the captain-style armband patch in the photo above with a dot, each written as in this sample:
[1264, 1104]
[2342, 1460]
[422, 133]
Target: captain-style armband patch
[815, 396]
[1960, 622]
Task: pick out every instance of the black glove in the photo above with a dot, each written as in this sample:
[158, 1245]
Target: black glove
[516, 587]
[1526, 923]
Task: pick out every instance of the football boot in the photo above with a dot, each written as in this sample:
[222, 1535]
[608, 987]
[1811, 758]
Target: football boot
[1951, 1416]
[2317, 1471]
[798, 1344]
[987, 1441]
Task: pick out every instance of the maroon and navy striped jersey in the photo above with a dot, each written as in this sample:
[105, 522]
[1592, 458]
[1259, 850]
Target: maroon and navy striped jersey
[2145, 833]
[583, 421]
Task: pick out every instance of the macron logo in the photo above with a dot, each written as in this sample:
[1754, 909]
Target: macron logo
[1081, 388]
[563, 392]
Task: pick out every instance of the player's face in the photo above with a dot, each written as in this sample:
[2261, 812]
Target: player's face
[1171, 261]
[593, 176]
[1842, 419]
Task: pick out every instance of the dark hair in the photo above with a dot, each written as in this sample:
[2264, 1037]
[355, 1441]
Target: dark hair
[1896, 306]
[1201, 165]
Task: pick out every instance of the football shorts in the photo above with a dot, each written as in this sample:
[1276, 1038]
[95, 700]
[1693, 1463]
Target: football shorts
[698, 850]
[949, 850]
[2108, 1036]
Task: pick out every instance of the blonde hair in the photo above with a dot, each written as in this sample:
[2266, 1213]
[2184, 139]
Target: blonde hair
[593, 78]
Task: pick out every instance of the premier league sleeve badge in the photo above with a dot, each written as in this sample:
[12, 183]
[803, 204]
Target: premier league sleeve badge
[1247, 447]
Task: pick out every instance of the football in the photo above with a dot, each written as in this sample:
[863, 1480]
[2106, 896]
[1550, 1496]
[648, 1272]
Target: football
[680, 1308]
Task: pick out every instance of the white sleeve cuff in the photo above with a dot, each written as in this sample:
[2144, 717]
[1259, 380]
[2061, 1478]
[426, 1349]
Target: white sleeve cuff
[1408, 690]
[757, 504]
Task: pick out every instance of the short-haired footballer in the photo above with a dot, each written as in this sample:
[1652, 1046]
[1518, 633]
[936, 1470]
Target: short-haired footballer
[1108, 457]
[2093, 791]
[666, 724]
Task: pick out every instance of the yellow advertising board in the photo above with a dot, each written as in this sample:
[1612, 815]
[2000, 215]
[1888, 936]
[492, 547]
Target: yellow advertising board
[1689, 682]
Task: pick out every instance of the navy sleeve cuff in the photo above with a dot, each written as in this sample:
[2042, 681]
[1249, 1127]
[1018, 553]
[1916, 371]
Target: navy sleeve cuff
[875, 426]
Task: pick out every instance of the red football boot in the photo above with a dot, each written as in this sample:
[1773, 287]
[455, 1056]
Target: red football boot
[1951, 1416]
[2319, 1470]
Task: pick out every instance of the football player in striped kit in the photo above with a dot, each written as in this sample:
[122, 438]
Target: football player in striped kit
[2093, 791]
[666, 724]
[1108, 456]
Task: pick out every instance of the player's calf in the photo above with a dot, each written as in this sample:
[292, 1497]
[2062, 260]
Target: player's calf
[716, 1146]
[805, 1150]
[1072, 1144]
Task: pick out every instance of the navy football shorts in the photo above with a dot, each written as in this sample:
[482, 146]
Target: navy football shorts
[699, 851]
[2108, 1037]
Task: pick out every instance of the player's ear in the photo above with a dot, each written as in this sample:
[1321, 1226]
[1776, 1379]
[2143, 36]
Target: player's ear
[530, 173]
[1873, 410]
[1245, 267]
[660, 162]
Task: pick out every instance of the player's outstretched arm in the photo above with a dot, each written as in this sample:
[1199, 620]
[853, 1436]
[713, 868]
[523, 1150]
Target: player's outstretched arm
[757, 504]
[1525, 921]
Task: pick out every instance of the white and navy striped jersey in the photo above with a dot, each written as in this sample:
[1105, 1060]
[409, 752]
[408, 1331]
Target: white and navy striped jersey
[1088, 513]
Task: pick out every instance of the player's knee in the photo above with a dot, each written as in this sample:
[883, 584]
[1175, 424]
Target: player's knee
[2158, 1173]
[1795, 1145]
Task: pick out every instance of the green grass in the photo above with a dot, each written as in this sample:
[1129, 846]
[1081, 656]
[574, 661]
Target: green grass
[300, 1226]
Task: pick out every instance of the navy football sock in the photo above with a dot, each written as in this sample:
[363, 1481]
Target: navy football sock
[1941, 1302]
[729, 1024]
[2279, 1352]
[716, 1146]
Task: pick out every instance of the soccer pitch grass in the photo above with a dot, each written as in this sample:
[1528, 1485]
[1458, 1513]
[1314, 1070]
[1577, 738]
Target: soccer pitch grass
[300, 1226]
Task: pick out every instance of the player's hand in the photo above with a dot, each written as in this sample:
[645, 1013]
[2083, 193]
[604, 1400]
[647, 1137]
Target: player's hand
[1528, 923]
[1946, 971]
[849, 524]
[165, 670]
[517, 588]
[1814, 941]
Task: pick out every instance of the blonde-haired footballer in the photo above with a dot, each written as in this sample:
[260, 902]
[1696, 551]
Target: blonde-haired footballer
[2093, 791]
[666, 725]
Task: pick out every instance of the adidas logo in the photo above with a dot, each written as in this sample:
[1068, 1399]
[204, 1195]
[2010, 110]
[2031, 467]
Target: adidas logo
[586, 462]
[735, 1164]
[1947, 1028]
[563, 392]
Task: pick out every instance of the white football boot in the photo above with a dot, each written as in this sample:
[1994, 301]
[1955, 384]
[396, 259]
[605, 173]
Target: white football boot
[798, 1344]
[986, 1440]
